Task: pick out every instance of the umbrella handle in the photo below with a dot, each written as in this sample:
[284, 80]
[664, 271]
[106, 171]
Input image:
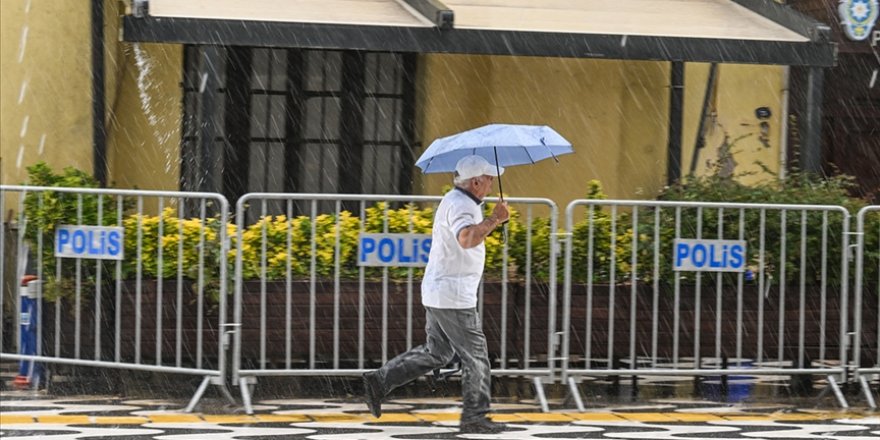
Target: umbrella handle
[498, 171]
[501, 191]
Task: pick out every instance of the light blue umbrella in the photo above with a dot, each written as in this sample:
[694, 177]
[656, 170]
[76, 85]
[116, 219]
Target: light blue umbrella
[500, 144]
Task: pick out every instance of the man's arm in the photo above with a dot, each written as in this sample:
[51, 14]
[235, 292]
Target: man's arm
[473, 235]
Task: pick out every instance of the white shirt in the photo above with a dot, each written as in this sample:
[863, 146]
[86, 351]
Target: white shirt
[453, 273]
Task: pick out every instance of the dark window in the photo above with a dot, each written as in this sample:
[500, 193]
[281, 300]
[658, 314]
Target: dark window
[192, 170]
[307, 121]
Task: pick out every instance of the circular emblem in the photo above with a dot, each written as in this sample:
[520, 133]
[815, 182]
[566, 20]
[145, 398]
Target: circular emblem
[858, 17]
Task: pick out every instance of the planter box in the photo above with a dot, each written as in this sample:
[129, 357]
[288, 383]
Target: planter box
[349, 292]
[128, 313]
[65, 311]
[168, 334]
[492, 316]
[708, 331]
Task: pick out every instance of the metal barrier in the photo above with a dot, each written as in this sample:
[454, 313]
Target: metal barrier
[866, 350]
[303, 307]
[149, 311]
[621, 255]
[299, 316]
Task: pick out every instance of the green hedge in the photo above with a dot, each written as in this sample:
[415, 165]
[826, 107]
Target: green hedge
[797, 189]
[283, 233]
[45, 211]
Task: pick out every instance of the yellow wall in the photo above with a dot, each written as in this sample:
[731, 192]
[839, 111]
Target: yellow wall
[142, 152]
[44, 48]
[741, 90]
[615, 113]
[144, 134]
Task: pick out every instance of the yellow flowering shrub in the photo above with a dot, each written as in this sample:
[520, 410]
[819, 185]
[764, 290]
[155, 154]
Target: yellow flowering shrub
[181, 241]
[288, 243]
[406, 219]
[495, 242]
[274, 246]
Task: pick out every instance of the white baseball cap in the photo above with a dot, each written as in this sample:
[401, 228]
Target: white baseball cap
[475, 166]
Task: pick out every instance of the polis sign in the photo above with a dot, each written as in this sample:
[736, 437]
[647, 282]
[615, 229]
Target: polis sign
[697, 255]
[397, 250]
[91, 242]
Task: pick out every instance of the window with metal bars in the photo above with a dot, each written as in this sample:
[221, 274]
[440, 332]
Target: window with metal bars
[306, 121]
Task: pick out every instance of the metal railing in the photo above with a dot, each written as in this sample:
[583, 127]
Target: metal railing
[303, 307]
[866, 346]
[132, 313]
[621, 256]
[299, 317]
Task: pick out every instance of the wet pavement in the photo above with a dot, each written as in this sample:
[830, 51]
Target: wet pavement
[35, 415]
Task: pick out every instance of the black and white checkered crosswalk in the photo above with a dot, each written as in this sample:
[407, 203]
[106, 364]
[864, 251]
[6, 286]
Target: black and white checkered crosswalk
[25, 416]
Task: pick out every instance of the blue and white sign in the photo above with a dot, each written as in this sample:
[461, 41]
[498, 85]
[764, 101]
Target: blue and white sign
[398, 250]
[93, 242]
[710, 255]
[858, 17]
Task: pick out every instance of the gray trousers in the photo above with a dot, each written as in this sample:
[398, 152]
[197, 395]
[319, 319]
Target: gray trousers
[449, 331]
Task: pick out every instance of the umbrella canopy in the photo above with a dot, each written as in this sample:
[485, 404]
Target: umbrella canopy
[500, 144]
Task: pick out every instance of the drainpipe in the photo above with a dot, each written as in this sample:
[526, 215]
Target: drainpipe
[701, 130]
[99, 130]
[811, 151]
[783, 127]
[676, 106]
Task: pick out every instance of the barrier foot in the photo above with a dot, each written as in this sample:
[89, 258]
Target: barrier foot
[539, 391]
[225, 390]
[245, 395]
[832, 383]
[575, 394]
[198, 395]
[866, 389]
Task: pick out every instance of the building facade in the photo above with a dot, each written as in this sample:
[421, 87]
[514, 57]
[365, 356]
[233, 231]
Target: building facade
[353, 121]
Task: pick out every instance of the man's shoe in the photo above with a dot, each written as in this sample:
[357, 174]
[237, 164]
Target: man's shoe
[373, 393]
[482, 426]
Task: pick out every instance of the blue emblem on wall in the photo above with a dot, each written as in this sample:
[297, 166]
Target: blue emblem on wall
[858, 17]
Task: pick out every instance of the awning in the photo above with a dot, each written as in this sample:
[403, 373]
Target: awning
[738, 31]
[347, 12]
[668, 18]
